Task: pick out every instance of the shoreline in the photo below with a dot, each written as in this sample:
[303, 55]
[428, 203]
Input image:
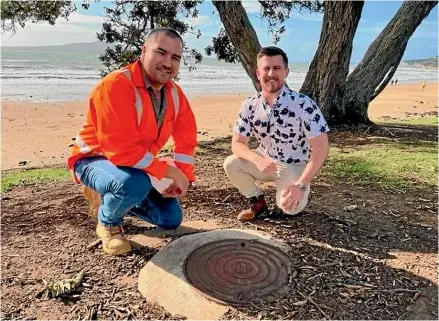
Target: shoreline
[199, 93]
[12, 93]
[84, 101]
[40, 133]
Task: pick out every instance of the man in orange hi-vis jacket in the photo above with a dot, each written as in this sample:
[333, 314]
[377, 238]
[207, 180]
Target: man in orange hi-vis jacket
[132, 114]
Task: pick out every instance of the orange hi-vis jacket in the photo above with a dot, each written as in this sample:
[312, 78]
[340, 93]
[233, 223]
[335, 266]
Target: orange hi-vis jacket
[121, 125]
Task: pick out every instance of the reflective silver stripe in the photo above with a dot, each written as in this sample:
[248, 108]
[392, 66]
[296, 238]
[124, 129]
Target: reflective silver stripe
[139, 105]
[184, 158]
[83, 147]
[145, 161]
[176, 99]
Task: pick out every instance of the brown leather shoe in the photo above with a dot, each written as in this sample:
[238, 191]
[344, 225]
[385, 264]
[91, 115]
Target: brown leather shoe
[258, 207]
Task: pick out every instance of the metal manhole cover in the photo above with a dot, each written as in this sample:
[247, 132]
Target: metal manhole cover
[238, 271]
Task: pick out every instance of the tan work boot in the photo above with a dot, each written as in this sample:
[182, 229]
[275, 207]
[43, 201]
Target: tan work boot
[94, 200]
[258, 207]
[113, 240]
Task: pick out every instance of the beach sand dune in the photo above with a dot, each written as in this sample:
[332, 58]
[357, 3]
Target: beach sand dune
[41, 133]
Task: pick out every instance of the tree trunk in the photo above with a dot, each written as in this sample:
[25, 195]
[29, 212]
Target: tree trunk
[383, 56]
[242, 35]
[326, 78]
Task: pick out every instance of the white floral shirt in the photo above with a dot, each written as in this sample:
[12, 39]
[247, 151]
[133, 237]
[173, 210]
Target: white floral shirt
[283, 129]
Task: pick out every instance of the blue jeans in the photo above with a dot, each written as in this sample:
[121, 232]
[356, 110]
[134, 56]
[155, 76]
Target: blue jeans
[127, 190]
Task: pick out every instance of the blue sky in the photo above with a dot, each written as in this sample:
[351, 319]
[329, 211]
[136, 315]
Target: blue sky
[299, 41]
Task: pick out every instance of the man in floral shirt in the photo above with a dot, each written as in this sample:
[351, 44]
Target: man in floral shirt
[293, 143]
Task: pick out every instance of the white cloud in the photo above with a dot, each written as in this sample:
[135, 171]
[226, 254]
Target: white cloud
[34, 36]
[200, 21]
[82, 18]
[251, 6]
[199, 43]
[79, 28]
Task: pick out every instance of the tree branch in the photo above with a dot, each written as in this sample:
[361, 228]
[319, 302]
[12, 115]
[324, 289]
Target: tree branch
[385, 52]
[389, 77]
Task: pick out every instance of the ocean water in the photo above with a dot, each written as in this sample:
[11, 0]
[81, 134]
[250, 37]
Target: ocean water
[52, 76]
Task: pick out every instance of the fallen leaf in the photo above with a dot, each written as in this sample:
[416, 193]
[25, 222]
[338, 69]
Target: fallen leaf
[300, 303]
[350, 208]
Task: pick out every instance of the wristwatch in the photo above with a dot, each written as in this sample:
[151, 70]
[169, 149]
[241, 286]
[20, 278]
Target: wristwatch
[302, 187]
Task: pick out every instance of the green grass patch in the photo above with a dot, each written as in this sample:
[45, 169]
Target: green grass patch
[397, 164]
[425, 121]
[33, 176]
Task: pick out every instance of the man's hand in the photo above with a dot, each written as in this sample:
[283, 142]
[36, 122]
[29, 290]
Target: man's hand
[240, 148]
[181, 182]
[266, 166]
[292, 196]
[172, 191]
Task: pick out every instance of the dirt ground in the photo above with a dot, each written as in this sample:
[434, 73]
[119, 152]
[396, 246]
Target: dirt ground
[41, 133]
[378, 261]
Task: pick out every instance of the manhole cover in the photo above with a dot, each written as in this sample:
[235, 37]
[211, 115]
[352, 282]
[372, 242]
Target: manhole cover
[238, 271]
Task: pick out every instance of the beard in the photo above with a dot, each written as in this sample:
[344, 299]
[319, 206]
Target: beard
[163, 75]
[271, 85]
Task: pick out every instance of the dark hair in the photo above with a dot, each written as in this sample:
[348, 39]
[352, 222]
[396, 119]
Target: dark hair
[271, 51]
[167, 31]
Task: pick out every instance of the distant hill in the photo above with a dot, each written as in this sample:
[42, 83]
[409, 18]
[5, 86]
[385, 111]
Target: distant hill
[98, 47]
[95, 47]
[81, 47]
[423, 63]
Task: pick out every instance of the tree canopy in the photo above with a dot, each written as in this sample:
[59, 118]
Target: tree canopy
[344, 98]
[18, 13]
[128, 22]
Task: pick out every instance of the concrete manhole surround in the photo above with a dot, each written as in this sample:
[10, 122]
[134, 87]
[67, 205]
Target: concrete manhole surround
[237, 271]
[165, 280]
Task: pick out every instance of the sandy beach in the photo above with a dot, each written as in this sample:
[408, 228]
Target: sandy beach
[40, 133]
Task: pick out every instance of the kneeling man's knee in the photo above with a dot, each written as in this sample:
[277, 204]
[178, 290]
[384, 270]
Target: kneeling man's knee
[171, 225]
[298, 209]
[174, 220]
[134, 187]
[231, 163]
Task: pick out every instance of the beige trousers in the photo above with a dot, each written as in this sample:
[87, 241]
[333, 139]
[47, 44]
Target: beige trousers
[244, 174]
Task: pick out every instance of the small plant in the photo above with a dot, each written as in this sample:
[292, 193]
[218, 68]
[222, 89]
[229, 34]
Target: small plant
[53, 289]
